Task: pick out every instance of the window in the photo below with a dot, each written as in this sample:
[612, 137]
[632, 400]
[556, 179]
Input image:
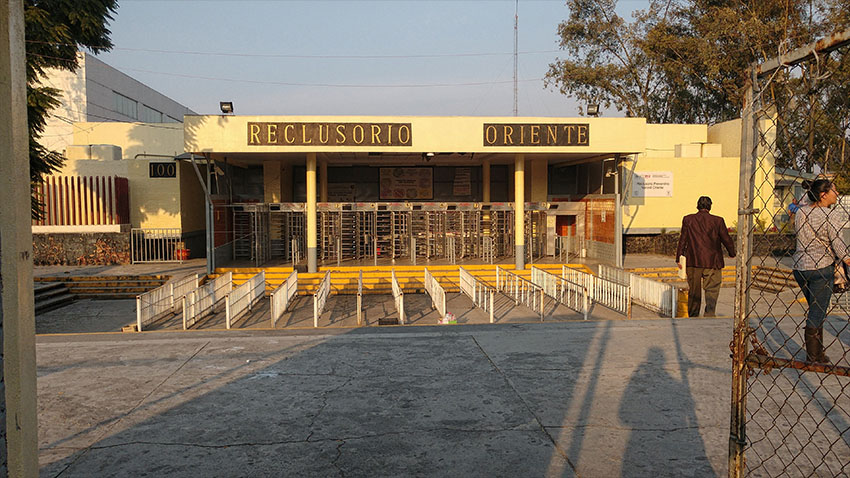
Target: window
[126, 106]
[149, 115]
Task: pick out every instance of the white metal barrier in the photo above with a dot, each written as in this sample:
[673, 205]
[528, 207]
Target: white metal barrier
[320, 298]
[282, 296]
[153, 305]
[242, 299]
[604, 292]
[436, 292]
[654, 295]
[521, 290]
[571, 294]
[180, 288]
[162, 244]
[398, 296]
[481, 295]
[360, 298]
[200, 302]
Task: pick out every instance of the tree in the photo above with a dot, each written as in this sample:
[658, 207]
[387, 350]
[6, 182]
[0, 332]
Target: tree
[55, 31]
[681, 60]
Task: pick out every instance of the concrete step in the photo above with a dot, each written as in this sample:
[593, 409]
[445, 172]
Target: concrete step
[50, 296]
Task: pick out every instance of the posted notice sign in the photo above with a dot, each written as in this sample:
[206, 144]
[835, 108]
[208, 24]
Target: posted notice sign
[652, 184]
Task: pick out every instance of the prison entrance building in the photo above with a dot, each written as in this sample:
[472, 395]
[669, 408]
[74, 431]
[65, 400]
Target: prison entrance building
[324, 190]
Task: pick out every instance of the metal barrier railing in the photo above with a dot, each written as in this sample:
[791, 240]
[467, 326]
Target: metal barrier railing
[487, 249]
[436, 292]
[398, 297]
[521, 290]
[568, 293]
[320, 298]
[653, 295]
[153, 305]
[281, 297]
[242, 299]
[180, 288]
[604, 292]
[482, 295]
[156, 245]
[360, 298]
[563, 245]
[200, 302]
[451, 252]
[157, 303]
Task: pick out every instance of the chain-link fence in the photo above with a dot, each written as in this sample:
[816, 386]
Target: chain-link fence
[791, 346]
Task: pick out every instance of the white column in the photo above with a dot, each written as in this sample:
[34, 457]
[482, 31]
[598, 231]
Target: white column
[19, 419]
[519, 210]
[312, 258]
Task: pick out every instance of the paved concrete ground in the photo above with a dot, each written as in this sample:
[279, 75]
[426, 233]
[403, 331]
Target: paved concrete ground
[641, 398]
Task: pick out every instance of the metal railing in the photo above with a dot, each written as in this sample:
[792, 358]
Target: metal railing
[281, 297]
[653, 295]
[487, 249]
[604, 292]
[320, 298]
[181, 287]
[200, 302]
[562, 243]
[156, 245]
[451, 252]
[243, 298]
[436, 292]
[482, 295]
[570, 294]
[398, 297]
[521, 290]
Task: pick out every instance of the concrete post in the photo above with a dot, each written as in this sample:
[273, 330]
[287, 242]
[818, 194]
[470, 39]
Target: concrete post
[323, 180]
[485, 180]
[312, 257]
[519, 210]
[18, 416]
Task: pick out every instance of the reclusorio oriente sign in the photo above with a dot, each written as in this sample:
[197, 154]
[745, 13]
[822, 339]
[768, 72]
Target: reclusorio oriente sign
[539, 134]
[329, 134]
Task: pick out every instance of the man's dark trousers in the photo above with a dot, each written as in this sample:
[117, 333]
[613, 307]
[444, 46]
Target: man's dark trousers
[700, 278]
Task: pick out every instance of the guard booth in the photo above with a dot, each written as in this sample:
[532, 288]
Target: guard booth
[311, 191]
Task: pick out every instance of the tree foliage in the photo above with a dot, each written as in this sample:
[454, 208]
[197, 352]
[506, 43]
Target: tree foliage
[681, 61]
[55, 31]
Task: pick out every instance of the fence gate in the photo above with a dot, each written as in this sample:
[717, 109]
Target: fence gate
[789, 417]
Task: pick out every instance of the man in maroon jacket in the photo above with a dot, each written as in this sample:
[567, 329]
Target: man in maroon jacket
[700, 242]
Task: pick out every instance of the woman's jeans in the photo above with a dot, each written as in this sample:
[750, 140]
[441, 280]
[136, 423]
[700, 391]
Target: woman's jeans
[817, 288]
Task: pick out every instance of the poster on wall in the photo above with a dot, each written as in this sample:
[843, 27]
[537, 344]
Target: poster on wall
[407, 184]
[341, 192]
[462, 185]
[652, 184]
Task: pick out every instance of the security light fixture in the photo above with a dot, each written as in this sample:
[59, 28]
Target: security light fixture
[593, 109]
[226, 107]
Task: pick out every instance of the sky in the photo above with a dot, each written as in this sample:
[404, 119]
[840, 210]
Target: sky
[346, 57]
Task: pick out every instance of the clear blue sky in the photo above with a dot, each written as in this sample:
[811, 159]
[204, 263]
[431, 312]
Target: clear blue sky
[296, 57]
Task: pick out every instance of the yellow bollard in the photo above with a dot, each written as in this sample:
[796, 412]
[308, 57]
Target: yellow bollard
[682, 303]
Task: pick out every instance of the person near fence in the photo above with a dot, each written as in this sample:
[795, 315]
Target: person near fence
[701, 241]
[819, 242]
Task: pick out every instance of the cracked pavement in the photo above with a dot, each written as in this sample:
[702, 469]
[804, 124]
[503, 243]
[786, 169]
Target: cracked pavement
[597, 398]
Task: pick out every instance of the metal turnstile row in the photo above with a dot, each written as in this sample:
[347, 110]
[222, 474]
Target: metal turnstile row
[360, 231]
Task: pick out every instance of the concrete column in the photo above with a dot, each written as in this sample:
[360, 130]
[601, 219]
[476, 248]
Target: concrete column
[272, 173]
[312, 258]
[18, 416]
[323, 180]
[519, 210]
[539, 180]
[485, 180]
